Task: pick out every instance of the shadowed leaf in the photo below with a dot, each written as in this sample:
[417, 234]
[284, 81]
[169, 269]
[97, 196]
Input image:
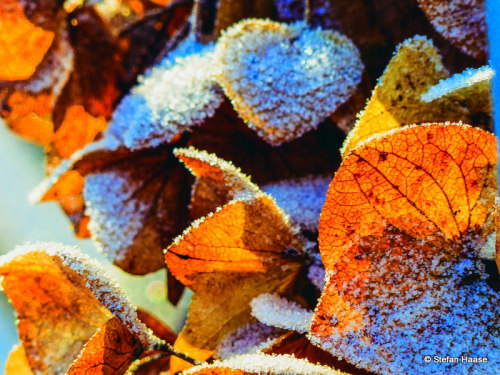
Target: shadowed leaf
[236, 251]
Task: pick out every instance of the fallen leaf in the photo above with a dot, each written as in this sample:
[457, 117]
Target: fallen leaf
[159, 328]
[17, 363]
[62, 298]
[230, 12]
[400, 233]
[109, 352]
[236, 251]
[276, 84]
[463, 22]
[396, 102]
[254, 364]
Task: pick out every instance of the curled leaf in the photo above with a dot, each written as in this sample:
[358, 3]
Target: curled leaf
[253, 364]
[463, 22]
[275, 81]
[217, 181]
[236, 251]
[396, 101]
[400, 233]
[472, 87]
[62, 299]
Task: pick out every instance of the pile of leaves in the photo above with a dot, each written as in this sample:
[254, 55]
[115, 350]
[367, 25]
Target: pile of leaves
[321, 174]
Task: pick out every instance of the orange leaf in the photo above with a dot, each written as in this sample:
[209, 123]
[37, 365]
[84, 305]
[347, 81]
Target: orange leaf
[78, 129]
[109, 352]
[237, 251]
[62, 298]
[400, 233]
[17, 363]
[23, 45]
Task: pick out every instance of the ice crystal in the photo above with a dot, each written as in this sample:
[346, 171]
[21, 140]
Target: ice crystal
[268, 364]
[250, 338]
[302, 199]
[275, 311]
[284, 80]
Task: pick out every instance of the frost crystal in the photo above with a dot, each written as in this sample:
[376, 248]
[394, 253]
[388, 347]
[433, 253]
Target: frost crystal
[115, 216]
[102, 286]
[268, 364]
[275, 311]
[302, 199]
[284, 80]
[171, 98]
[316, 272]
[250, 338]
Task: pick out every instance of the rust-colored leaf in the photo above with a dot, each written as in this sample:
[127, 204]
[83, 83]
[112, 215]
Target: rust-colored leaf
[62, 298]
[237, 251]
[396, 100]
[400, 233]
[217, 181]
[17, 363]
[159, 328]
[23, 43]
[229, 12]
[463, 22]
[263, 364]
[109, 352]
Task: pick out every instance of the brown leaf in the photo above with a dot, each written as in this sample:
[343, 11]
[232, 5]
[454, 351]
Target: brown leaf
[62, 298]
[463, 22]
[400, 233]
[229, 12]
[236, 251]
[159, 328]
[109, 352]
[396, 100]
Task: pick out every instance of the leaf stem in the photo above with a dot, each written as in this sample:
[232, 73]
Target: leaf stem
[195, 20]
[170, 350]
[307, 12]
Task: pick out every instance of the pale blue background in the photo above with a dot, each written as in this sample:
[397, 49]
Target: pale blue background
[21, 169]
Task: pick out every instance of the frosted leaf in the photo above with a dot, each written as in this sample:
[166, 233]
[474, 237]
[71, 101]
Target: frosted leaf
[263, 364]
[62, 298]
[302, 199]
[463, 22]
[275, 311]
[171, 98]
[472, 87]
[283, 80]
[250, 338]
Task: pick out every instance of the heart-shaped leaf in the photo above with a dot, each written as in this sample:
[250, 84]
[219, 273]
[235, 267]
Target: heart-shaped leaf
[275, 81]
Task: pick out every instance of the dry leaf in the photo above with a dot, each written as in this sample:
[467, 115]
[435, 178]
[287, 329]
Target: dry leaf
[396, 102]
[400, 233]
[255, 364]
[237, 251]
[230, 11]
[62, 298]
[275, 81]
[463, 22]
